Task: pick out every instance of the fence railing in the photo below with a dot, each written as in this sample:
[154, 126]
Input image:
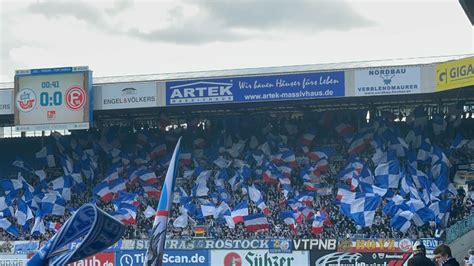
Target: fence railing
[460, 228]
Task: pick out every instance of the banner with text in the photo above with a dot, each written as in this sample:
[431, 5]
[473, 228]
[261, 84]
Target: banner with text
[357, 258]
[6, 99]
[460, 228]
[256, 89]
[170, 258]
[387, 81]
[184, 244]
[375, 245]
[315, 244]
[455, 74]
[258, 257]
[102, 259]
[126, 95]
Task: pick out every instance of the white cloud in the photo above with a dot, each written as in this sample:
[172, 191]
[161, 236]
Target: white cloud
[125, 37]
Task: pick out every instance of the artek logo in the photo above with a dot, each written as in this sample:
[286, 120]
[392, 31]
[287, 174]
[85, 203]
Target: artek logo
[26, 100]
[202, 91]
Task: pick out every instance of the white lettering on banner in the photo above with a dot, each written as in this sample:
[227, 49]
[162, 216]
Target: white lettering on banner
[393, 256]
[92, 262]
[201, 92]
[430, 243]
[196, 258]
[315, 244]
[129, 260]
[210, 244]
[13, 262]
[342, 258]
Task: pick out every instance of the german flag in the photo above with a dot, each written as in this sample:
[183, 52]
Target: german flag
[200, 231]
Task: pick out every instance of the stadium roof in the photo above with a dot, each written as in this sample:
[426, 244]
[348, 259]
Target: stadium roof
[270, 70]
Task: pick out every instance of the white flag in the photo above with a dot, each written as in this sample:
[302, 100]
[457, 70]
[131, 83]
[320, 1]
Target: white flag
[149, 212]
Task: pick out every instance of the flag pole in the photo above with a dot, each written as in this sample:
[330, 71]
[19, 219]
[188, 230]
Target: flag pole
[156, 243]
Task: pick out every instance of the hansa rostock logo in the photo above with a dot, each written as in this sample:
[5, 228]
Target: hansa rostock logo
[26, 100]
[201, 92]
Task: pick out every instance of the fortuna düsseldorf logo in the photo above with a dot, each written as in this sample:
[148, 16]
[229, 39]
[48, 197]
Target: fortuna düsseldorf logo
[75, 98]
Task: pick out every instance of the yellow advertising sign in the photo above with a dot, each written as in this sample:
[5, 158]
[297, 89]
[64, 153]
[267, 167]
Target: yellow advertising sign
[455, 74]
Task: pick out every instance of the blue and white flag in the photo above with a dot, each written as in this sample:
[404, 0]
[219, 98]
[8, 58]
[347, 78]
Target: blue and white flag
[458, 142]
[421, 213]
[6, 207]
[20, 163]
[63, 185]
[11, 186]
[46, 156]
[9, 227]
[387, 175]
[361, 209]
[401, 221]
[441, 211]
[53, 203]
[23, 212]
[155, 250]
[92, 229]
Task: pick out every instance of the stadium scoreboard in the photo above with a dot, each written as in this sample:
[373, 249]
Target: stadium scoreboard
[53, 99]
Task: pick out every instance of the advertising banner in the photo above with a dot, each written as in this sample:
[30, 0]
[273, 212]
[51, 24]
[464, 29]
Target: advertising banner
[315, 244]
[387, 81]
[13, 260]
[25, 247]
[375, 245]
[430, 243]
[258, 258]
[455, 74]
[53, 99]
[280, 246]
[256, 89]
[126, 96]
[99, 259]
[357, 258]
[170, 258]
[6, 100]
[460, 228]
[115, 247]
[7, 247]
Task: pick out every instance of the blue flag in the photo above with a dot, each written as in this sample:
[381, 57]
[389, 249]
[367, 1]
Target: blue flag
[154, 254]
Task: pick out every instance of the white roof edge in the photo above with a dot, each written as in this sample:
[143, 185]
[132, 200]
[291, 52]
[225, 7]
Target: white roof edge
[271, 70]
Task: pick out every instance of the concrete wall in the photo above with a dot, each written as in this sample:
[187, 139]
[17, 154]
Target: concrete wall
[461, 246]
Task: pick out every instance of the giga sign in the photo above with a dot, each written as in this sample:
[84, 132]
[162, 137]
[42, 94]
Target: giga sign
[455, 74]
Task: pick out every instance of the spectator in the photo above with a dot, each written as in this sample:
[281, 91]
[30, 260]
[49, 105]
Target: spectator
[419, 256]
[443, 256]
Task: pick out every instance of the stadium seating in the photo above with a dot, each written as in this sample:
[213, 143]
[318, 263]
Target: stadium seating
[327, 175]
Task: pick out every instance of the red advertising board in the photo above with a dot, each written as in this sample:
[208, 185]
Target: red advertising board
[99, 259]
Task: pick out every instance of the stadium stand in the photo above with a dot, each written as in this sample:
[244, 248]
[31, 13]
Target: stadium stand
[333, 174]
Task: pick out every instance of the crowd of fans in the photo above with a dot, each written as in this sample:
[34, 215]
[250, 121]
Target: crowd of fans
[218, 137]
